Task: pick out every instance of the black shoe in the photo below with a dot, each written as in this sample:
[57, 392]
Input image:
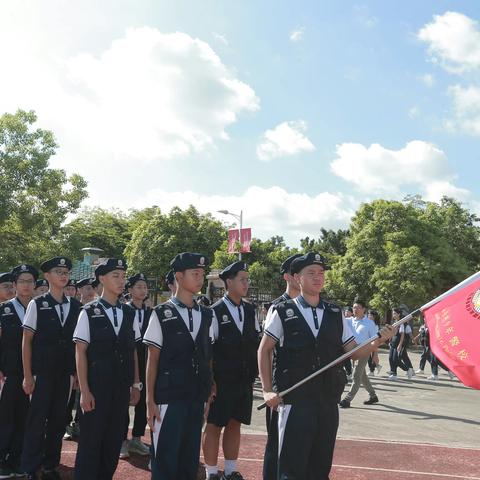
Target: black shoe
[233, 476]
[51, 475]
[344, 404]
[371, 400]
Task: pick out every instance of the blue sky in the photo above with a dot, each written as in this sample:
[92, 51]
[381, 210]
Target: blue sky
[295, 112]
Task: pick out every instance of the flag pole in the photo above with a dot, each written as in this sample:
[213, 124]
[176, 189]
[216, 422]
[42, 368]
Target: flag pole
[342, 358]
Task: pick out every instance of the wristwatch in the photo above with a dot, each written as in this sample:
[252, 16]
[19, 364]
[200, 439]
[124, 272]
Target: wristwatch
[138, 386]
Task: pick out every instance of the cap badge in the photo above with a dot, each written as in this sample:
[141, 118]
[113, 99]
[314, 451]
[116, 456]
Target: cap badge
[202, 260]
[62, 261]
[120, 262]
[23, 267]
[317, 257]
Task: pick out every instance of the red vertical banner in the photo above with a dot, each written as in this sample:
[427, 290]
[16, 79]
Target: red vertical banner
[454, 324]
[244, 237]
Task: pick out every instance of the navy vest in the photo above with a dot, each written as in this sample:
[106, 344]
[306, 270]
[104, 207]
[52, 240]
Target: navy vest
[10, 341]
[184, 368]
[110, 357]
[302, 354]
[234, 352]
[53, 350]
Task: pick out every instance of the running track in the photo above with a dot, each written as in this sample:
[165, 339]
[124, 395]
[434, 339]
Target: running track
[354, 460]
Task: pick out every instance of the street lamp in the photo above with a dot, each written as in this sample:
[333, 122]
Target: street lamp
[240, 222]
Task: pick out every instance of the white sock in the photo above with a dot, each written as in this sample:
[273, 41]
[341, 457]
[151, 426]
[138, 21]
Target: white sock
[230, 466]
[211, 469]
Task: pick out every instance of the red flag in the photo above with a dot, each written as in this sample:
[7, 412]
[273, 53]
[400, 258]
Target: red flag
[245, 238]
[453, 320]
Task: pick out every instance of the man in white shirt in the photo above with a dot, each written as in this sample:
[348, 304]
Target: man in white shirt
[363, 328]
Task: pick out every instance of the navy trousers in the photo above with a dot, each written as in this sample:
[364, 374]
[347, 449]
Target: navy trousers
[102, 431]
[13, 414]
[176, 441]
[46, 422]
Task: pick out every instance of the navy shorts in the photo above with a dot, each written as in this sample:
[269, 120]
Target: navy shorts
[233, 400]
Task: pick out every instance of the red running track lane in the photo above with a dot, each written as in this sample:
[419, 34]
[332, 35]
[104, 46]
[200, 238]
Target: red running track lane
[354, 460]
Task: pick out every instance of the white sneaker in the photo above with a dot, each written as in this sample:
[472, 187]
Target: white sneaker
[419, 371]
[392, 377]
[124, 453]
[369, 374]
[410, 373]
[432, 377]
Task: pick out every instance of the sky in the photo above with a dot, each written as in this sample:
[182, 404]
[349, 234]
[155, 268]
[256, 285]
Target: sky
[293, 112]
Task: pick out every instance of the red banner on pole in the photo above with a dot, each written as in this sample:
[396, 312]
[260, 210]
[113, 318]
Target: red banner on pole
[244, 237]
[454, 325]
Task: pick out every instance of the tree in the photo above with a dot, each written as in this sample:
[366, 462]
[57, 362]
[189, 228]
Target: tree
[405, 252]
[35, 200]
[159, 237]
[331, 243]
[109, 230]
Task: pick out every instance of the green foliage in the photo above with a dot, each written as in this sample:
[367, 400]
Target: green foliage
[158, 237]
[405, 252]
[96, 227]
[35, 200]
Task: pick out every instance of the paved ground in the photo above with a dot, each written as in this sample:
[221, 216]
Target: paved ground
[419, 430]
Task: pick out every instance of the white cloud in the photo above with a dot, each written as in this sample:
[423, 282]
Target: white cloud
[466, 106]
[428, 79]
[376, 169]
[269, 211]
[414, 112]
[434, 191]
[297, 34]
[287, 138]
[453, 41]
[221, 38]
[147, 97]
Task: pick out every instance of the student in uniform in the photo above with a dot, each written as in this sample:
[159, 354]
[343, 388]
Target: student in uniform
[70, 289]
[13, 401]
[307, 334]
[271, 416]
[170, 281]
[41, 287]
[138, 290]
[235, 334]
[363, 328]
[6, 287]
[86, 290]
[107, 367]
[179, 376]
[48, 367]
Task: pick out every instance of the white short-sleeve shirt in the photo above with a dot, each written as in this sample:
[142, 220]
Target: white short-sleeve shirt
[30, 318]
[233, 310]
[274, 327]
[82, 330]
[363, 329]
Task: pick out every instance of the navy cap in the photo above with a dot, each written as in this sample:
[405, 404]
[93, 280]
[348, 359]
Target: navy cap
[311, 258]
[131, 281]
[187, 260]
[42, 283]
[24, 268]
[96, 283]
[71, 283]
[232, 270]
[285, 267]
[6, 277]
[170, 278]
[85, 281]
[56, 262]
[109, 265]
